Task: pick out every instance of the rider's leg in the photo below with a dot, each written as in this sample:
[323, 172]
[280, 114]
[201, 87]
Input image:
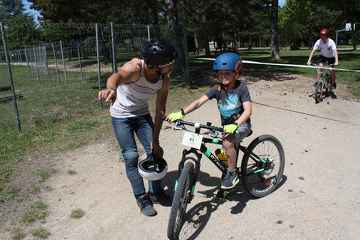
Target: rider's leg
[229, 144]
[333, 78]
[231, 178]
[124, 132]
[230, 150]
[317, 74]
[318, 71]
[144, 131]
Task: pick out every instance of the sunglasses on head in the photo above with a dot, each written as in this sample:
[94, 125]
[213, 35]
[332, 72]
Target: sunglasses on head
[151, 66]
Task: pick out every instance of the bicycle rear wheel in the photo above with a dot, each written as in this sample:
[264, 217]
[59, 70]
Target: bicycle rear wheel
[182, 197]
[262, 166]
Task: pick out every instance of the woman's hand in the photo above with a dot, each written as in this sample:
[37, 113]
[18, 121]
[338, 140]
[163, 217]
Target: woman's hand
[109, 95]
[166, 69]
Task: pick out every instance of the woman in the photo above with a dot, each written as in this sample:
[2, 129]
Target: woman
[130, 89]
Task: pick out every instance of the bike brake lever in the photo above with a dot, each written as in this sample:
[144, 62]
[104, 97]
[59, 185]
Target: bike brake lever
[179, 126]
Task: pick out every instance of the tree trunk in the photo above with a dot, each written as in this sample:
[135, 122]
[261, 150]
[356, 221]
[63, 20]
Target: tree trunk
[177, 30]
[354, 40]
[204, 36]
[155, 9]
[196, 42]
[275, 48]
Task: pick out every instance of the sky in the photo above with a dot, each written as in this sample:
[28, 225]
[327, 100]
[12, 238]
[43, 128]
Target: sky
[282, 2]
[36, 14]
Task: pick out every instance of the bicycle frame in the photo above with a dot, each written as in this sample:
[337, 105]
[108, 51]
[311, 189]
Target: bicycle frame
[204, 150]
[325, 76]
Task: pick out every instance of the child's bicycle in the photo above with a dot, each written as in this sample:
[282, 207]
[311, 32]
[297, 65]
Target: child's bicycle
[261, 170]
[322, 87]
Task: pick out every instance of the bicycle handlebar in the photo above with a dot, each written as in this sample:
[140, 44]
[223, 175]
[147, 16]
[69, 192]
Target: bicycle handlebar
[324, 65]
[209, 127]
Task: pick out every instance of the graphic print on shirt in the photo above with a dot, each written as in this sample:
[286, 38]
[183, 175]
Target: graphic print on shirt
[229, 106]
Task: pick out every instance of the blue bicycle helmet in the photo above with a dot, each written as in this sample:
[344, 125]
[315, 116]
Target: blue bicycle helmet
[226, 61]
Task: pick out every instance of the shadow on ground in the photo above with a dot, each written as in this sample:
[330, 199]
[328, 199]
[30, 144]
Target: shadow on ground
[199, 215]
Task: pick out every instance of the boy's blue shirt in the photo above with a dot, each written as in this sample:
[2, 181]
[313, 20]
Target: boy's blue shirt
[230, 102]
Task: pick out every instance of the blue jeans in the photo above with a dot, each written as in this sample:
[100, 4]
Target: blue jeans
[124, 129]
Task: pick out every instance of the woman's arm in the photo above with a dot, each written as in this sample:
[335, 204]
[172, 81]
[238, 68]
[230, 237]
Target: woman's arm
[128, 73]
[161, 99]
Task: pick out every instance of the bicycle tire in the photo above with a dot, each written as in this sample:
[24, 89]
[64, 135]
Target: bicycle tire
[180, 200]
[244, 166]
[318, 91]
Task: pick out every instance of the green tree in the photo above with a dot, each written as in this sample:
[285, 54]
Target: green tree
[7, 8]
[300, 21]
[21, 29]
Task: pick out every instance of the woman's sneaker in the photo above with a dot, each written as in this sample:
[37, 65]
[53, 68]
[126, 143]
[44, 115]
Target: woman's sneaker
[146, 205]
[230, 180]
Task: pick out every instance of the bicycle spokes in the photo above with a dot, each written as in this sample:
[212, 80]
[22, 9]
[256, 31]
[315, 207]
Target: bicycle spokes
[263, 166]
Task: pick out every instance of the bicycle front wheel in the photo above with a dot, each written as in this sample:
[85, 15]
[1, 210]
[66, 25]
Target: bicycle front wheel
[318, 91]
[181, 199]
[262, 166]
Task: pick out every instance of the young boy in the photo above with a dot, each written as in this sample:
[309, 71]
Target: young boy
[234, 104]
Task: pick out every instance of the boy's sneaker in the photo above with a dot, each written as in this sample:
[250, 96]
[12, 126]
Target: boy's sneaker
[332, 95]
[146, 205]
[230, 180]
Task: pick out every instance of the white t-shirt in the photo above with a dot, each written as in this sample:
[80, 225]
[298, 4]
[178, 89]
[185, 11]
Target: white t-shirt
[327, 49]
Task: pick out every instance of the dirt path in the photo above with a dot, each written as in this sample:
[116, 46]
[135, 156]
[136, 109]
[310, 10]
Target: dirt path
[319, 199]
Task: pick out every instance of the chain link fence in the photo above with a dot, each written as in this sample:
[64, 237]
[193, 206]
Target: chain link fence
[57, 76]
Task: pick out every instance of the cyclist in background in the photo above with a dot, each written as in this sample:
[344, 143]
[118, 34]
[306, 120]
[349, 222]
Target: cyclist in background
[328, 55]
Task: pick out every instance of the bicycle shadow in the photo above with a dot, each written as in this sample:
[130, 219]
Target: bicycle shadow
[168, 182]
[198, 216]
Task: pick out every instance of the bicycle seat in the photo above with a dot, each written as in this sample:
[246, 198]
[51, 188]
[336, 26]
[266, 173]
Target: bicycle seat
[250, 133]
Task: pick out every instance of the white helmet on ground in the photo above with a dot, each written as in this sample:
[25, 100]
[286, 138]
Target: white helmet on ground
[153, 169]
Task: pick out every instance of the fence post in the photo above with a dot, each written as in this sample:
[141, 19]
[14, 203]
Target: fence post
[63, 60]
[114, 67]
[26, 57]
[98, 55]
[148, 32]
[46, 60]
[36, 64]
[18, 123]
[56, 62]
[80, 63]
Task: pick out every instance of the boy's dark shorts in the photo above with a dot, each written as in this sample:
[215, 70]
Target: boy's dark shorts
[328, 61]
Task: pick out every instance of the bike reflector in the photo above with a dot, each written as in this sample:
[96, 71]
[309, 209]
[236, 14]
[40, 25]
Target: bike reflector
[192, 140]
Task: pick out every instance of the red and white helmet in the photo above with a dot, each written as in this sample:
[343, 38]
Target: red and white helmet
[324, 32]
